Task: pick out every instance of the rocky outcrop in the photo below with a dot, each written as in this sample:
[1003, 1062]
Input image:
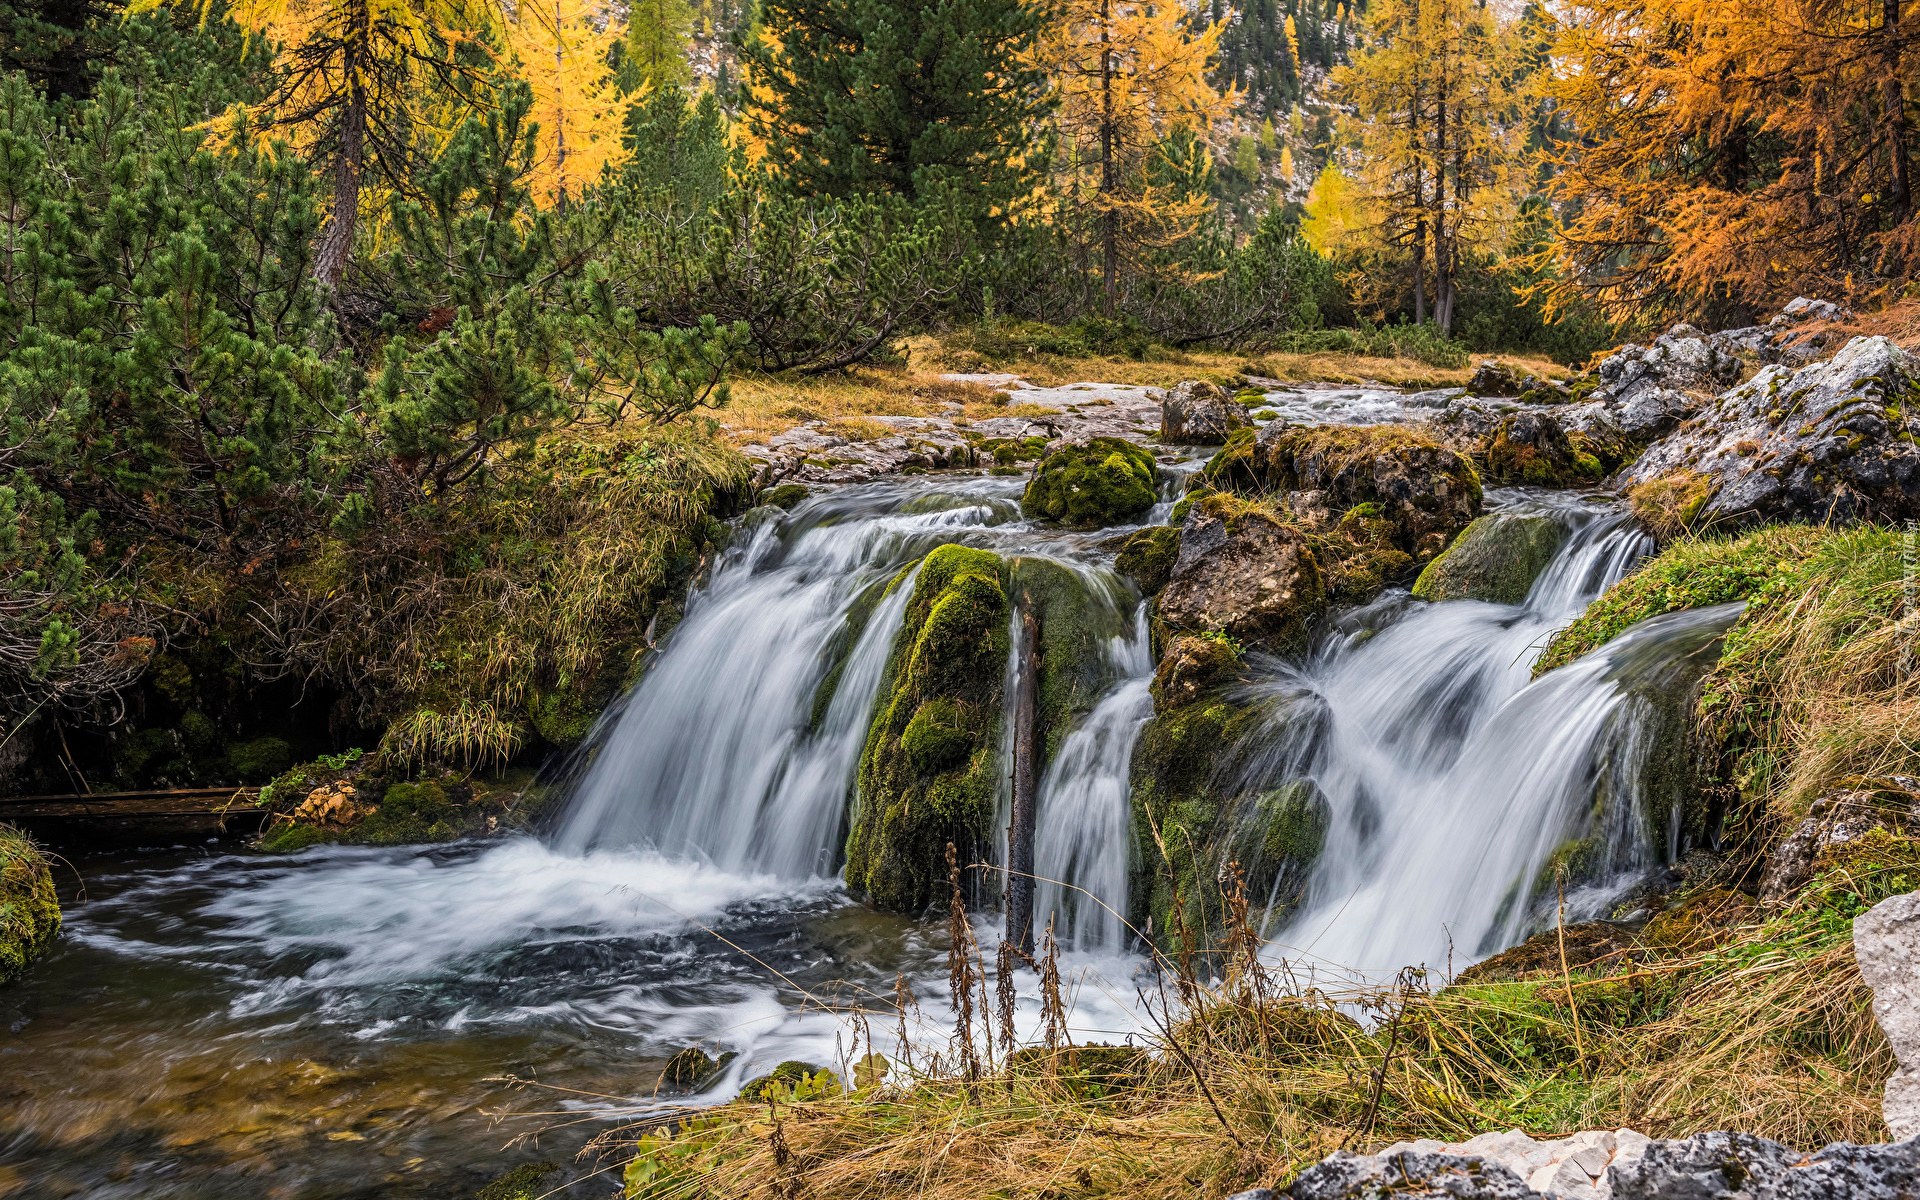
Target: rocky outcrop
[1620, 1165]
[1425, 492]
[1491, 378]
[1198, 413]
[1095, 483]
[929, 773]
[1496, 559]
[1530, 448]
[1834, 441]
[1886, 942]
[1147, 557]
[1245, 573]
[1192, 667]
[1835, 820]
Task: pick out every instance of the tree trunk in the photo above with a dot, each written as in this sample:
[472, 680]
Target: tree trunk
[1900, 191]
[1420, 211]
[1442, 249]
[560, 107]
[1025, 803]
[1109, 216]
[336, 243]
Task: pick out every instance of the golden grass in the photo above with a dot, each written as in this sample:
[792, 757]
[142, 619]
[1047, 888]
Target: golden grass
[1767, 1029]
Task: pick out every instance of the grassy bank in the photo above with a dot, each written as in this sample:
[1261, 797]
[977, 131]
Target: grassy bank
[29, 909]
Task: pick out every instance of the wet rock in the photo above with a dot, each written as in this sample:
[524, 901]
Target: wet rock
[1147, 557]
[1496, 558]
[693, 1067]
[1101, 482]
[1830, 442]
[1245, 573]
[1530, 448]
[1740, 1166]
[1199, 413]
[790, 1077]
[1191, 667]
[784, 496]
[1886, 942]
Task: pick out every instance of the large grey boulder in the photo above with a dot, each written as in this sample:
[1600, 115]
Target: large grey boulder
[1198, 413]
[1886, 942]
[1496, 559]
[1244, 573]
[1831, 441]
[1621, 1165]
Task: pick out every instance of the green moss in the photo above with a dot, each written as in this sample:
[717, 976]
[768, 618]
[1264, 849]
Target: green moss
[1693, 573]
[1105, 481]
[1077, 617]
[288, 838]
[561, 717]
[786, 496]
[1148, 557]
[1554, 463]
[792, 1079]
[1496, 558]
[259, 759]
[29, 908]
[524, 1182]
[913, 800]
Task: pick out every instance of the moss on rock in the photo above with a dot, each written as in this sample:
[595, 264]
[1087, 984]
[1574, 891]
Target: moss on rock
[1147, 557]
[1496, 558]
[1104, 481]
[1530, 448]
[29, 908]
[926, 784]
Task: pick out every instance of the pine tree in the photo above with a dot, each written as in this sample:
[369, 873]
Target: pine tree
[889, 96]
[656, 48]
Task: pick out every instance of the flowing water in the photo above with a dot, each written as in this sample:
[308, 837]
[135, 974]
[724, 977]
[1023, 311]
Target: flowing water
[352, 1022]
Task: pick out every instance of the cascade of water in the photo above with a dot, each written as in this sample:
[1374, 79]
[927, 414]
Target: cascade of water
[1448, 781]
[716, 752]
[1082, 838]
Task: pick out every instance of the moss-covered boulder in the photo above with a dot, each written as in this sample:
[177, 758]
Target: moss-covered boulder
[367, 800]
[29, 909]
[1530, 448]
[1192, 667]
[1100, 482]
[1423, 492]
[1496, 558]
[1147, 557]
[1199, 413]
[1245, 572]
[929, 772]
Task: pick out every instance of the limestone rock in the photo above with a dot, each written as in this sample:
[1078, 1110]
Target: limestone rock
[1408, 1175]
[1425, 492]
[1199, 413]
[1191, 667]
[1886, 942]
[1531, 448]
[1244, 573]
[1492, 379]
[1496, 558]
[1829, 442]
[1147, 557]
[1835, 819]
[1740, 1166]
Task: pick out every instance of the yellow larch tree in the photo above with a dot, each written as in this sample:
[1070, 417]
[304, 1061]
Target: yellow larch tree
[1736, 152]
[1439, 142]
[1132, 98]
[563, 48]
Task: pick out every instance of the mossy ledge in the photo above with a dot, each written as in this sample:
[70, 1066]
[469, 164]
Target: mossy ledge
[929, 770]
[29, 909]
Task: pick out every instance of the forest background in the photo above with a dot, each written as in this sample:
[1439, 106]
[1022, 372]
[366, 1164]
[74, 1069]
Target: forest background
[360, 359]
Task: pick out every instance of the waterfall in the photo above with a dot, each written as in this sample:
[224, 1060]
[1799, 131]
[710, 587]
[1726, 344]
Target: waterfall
[1449, 781]
[1083, 836]
[716, 752]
